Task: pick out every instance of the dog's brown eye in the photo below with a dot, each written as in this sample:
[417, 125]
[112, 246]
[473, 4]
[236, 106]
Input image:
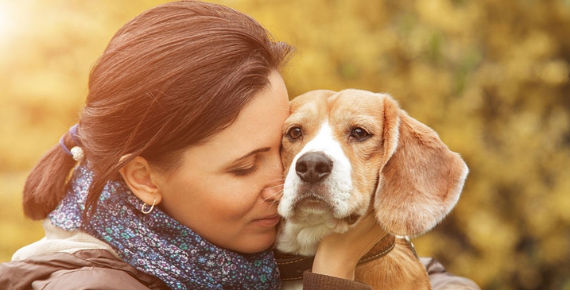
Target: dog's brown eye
[294, 133]
[359, 134]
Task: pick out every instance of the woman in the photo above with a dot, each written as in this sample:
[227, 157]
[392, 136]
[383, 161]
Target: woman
[176, 166]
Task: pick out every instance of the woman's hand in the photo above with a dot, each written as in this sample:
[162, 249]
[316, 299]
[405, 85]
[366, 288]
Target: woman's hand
[338, 254]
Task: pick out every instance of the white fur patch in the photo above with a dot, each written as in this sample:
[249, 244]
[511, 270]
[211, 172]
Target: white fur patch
[338, 183]
[303, 237]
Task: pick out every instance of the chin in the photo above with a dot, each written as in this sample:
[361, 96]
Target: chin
[256, 243]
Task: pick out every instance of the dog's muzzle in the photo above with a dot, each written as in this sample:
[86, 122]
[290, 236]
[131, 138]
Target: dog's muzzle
[316, 183]
[313, 167]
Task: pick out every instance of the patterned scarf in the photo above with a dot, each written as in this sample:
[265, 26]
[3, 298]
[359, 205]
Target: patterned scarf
[158, 245]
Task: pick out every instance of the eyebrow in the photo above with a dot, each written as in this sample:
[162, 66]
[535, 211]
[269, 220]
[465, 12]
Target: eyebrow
[265, 149]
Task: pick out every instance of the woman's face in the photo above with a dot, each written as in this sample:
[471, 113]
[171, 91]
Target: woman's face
[225, 189]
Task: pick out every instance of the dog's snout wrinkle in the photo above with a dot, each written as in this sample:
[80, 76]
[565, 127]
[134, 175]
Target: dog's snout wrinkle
[313, 167]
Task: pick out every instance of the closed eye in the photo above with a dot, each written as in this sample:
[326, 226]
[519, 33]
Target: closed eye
[246, 170]
[247, 164]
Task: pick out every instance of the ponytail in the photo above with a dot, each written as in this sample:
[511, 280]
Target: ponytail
[46, 184]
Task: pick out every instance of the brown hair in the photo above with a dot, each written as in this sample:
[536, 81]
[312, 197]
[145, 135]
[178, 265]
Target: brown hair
[170, 78]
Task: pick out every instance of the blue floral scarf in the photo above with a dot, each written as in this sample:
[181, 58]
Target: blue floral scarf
[158, 245]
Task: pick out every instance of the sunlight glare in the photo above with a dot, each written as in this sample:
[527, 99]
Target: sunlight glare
[7, 21]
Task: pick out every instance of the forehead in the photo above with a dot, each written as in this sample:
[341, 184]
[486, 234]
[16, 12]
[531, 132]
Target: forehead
[337, 108]
[257, 126]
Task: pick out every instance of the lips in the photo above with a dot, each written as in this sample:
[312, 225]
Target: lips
[269, 221]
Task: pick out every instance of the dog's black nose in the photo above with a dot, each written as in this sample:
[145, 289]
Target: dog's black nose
[313, 167]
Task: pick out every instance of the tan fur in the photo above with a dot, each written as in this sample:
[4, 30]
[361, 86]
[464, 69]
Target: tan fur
[403, 171]
[399, 270]
[421, 173]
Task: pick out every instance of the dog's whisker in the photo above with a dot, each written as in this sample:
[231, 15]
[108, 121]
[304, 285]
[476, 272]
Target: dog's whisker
[276, 202]
[278, 184]
[273, 202]
[275, 182]
[273, 195]
[278, 179]
[276, 195]
[275, 186]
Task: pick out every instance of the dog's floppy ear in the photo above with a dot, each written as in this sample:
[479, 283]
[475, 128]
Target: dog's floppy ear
[420, 179]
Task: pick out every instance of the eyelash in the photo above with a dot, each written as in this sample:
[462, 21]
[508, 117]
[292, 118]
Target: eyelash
[248, 171]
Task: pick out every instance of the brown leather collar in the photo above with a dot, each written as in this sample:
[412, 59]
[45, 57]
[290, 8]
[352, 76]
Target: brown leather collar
[292, 267]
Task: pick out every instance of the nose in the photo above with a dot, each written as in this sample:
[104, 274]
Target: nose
[313, 167]
[273, 190]
[273, 185]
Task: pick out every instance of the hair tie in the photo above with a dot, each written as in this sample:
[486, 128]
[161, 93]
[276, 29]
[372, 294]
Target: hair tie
[76, 152]
[73, 132]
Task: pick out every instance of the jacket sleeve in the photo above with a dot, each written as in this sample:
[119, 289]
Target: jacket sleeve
[441, 279]
[89, 278]
[82, 270]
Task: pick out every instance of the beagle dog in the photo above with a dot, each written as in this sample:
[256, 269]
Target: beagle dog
[352, 151]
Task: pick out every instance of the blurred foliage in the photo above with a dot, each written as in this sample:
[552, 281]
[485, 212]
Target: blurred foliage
[491, 77]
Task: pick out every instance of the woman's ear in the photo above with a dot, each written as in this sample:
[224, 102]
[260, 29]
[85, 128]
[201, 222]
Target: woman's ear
[138, 176]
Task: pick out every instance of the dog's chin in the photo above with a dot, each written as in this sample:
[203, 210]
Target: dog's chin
[310, 207]
[310, 218]
[309, 222]
[314, 210]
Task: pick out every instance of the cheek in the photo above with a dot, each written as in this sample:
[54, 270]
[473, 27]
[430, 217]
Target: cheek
[288, 153]
[286, 158]
[197, 205]
[236, 196]
[366, 174]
